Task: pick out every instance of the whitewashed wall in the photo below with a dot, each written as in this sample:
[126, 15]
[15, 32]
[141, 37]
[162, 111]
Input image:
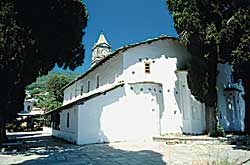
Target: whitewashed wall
[68, 94]
[241, 106]
[146, 106]
[192, 111]
[162, 56]
[90, 114]
[231, 105]
[68, 133]
[107, 75]
[120, 115]
[146, 98]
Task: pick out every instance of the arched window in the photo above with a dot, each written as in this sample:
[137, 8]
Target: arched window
[97, 81]
[29, 108]
[88, 87]
[81, 89]
[68, 120]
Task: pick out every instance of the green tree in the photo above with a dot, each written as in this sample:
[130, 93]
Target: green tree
[214, 31]
[41, 82]
[34, 36]
[55, 85]
[48, 102]
[35, 91]
[55, 97]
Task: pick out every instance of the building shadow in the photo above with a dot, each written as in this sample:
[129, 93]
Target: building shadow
[45, 149]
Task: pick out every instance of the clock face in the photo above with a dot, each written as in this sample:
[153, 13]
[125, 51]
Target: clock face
[95, 52]
[104, 52]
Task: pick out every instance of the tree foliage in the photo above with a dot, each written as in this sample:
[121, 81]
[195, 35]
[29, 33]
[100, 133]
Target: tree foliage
[55, 85]
[54, 99]
[34, 36]
[214, 31]
[49, 88]
[41, 82]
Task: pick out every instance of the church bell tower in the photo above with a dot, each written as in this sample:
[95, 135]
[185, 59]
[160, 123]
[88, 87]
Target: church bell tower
[100, 49]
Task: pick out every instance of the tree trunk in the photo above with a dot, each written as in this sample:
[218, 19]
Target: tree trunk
[211, 106]
[3, 136]
[210, 119]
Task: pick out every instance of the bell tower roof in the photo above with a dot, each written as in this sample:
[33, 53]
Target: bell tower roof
[102, 39]
[100, 50]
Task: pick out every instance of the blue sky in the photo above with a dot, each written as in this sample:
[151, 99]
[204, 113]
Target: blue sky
[124, 22]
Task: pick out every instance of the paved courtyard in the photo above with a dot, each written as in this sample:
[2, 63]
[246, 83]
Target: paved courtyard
[39, 148]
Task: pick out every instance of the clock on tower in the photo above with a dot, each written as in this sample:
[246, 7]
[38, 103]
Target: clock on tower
[100, 49]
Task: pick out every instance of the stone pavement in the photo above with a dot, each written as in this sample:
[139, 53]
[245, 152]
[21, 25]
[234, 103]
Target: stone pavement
[38, 148]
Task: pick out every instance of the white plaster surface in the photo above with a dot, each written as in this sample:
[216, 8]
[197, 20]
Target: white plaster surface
[148, 104]
[231, 105]
[68, 133]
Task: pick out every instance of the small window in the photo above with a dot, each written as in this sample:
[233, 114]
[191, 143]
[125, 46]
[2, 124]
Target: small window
[88, 89]
[81, 89]
[147, 67]
[68, 120]
[97, 81]
[29, 108]
[70, 97]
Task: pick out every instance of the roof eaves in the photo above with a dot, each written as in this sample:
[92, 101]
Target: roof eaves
[80, 101]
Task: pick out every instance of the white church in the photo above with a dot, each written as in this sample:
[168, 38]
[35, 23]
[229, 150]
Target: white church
[139, 91]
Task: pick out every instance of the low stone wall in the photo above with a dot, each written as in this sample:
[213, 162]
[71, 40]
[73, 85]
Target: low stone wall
[232, 140]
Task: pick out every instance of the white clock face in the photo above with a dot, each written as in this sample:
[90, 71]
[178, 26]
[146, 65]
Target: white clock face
[104, 52]
[95, 52]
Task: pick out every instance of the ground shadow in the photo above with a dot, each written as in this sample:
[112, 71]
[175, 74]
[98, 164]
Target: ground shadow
[240, 142]
[53, 150]
[242, 147]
